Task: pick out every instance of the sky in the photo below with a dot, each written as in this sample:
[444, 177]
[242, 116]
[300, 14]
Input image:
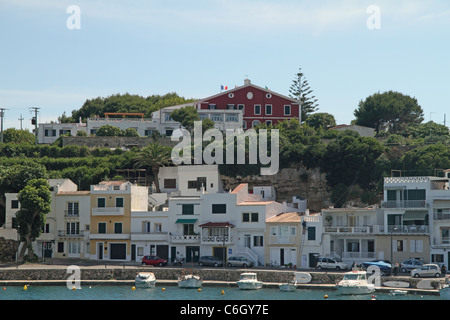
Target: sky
[56, 54]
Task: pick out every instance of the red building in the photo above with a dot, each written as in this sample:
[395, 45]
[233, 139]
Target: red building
[259, 105]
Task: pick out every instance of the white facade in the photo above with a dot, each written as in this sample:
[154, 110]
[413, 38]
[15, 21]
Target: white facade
[160, 122]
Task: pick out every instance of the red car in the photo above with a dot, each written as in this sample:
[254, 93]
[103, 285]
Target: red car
[153, 261]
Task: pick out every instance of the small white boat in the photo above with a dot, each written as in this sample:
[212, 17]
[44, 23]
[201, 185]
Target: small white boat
[288, 287]
[444, 292]
[302, 277]
[249, 281]
[145, 280]
[355, 282]
[189, 281]
[398, 292]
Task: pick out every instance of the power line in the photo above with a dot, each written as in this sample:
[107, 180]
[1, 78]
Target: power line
[34, 121]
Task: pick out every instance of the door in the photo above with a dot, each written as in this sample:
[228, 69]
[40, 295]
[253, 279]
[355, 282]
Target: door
[100, 251]
[162, 251]
[248, 241]
[282, 257]
[220, 253]
[118, 251]
[192, 254]
[133, 252]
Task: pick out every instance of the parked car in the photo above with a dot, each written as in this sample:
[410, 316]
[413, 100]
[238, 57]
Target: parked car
[427, 270]
[210, 261]
[153, 261]
[384, 265]
[410, 264]
[331, 263]
[240, 262]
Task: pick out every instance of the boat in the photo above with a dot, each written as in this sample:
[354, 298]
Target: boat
[302, 277]
[249, 281]
[145, 280]
[444, 292]
[396, 284]
[289, 286]
[398, 292]
[354, 283]
[188, 280]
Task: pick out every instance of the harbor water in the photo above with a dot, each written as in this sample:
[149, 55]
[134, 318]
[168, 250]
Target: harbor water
[127, 292]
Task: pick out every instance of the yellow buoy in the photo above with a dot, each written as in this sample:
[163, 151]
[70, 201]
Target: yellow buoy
[25, 287]
[74, 288]
[199, 290]
[133, 288]
[222, 292]
[163, 289]
[325, 297]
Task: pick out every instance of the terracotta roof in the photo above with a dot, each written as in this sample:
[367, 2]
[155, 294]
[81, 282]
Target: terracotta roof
[286, 217]
[239, 188]
[75, 193]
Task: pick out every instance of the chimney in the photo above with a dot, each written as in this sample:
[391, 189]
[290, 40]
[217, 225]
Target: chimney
[247, 82]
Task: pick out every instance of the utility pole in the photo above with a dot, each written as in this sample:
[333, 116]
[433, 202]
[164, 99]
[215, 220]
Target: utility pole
[21, 119]
[34, 121]
[2, 115]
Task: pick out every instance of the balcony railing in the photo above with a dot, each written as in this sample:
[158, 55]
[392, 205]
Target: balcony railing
[217, 239]
[108, 211]
[442, 215]
[358, 255]
[186, 238]
[396, 204]
[378, 229]
[71, 213]
[443, 241]
[74, 233]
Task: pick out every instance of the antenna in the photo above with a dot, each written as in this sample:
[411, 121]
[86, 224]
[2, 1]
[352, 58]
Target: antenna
[2, 115]
[21, 119]
[34, 121]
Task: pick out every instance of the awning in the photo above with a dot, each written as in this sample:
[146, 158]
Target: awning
[186, 221]
[415, 215]
[217, 225]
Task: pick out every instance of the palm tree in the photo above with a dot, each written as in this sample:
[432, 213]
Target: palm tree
[153, 157]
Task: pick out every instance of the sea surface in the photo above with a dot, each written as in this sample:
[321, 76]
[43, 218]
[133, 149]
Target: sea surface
[128, 292]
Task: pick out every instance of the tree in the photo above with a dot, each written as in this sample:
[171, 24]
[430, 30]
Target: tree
[300, 88]
[321, 121]
[187, 116]
[153, 157]
[108, 131]
[392, 111]
[35, 200]
[18, 136]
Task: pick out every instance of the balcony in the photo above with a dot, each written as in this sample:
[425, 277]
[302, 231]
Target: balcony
[71, 214]
[108, 211]
[217, 240]
[149, 236]
[189, 238]
[71, 234]
[282, 240]
[443, 241]
[444, 215]
[358, 255]
[379, 229]
[404, 204]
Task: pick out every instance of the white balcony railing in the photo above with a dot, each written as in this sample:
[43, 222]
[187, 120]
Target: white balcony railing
[378, 229]
[397, 204]
[217, 240]
[186, 238]
[108, 211]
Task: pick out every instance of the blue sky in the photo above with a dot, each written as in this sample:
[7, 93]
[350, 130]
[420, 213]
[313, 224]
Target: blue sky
[193, 47]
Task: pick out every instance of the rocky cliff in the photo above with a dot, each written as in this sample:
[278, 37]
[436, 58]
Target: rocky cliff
[289, 182]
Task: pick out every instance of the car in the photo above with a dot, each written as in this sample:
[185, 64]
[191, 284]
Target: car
[410, 264]
[427, 270]
[153, 261]
[384, 265]
[210, 261]
[240, 262]
[331, 263]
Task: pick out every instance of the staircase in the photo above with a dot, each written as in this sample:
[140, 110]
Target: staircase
[249, 254]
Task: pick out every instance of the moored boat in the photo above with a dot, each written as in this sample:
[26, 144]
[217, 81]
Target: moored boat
[145, 280]
[444, 292]
[188, 280]
[249, 281]
[354, 283]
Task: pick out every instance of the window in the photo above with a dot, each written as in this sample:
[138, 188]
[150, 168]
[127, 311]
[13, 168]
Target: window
[168, 117]
[241, 107]
[64, 132]
[416, 246]
[268, 109]
[169, 132]
[102, 227]
[50, 133]
[268, 122]
[255, 123]
[258, 241]
[158, 227]
[187, 209]
[60, 247]
[231, 107]
[14, 204]
[74, 247]
[188, 229]
[117, 227]
[101, 202]
[72, 208]
[145, 226]
[257, 109]
[399, 245]
[273, 231]
[149, 132]
[212, 107]
[287, 110]
[72, 228]
[219, 208]
[46, 228]
[119, 202]
[232, 118]
[312, 233]
[217, 117]
[170, 183]
[250, 217]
